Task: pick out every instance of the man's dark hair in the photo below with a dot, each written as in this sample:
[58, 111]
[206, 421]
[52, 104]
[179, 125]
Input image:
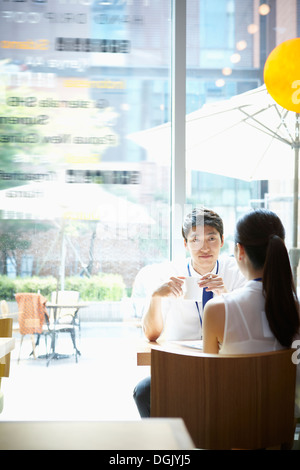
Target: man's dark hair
[202, 216]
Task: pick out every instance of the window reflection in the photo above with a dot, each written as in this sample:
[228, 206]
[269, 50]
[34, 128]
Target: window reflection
[83, 206]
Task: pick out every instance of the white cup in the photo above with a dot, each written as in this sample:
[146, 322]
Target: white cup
[191, 289]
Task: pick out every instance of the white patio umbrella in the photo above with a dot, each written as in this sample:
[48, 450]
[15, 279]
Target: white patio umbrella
[60, 202]
[74, 201]
[249, 137]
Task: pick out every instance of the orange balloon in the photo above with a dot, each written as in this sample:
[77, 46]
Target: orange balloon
[282, 74]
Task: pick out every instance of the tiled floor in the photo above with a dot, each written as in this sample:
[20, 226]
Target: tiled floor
[98, 387]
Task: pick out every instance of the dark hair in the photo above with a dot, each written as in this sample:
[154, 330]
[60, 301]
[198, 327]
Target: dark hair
[201, 216]
[262, 234]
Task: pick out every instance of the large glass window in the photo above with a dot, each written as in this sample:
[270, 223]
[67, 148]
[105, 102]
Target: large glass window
[228, 43]
[77, 197]
[86, 159]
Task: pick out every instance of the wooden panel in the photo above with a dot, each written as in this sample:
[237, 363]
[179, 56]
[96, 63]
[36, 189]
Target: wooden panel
[226, 401]
[144, 351]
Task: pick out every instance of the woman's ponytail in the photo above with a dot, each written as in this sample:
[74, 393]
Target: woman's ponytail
[280, 293]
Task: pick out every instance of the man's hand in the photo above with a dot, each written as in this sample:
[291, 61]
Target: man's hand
[212, 283]
[172, 288]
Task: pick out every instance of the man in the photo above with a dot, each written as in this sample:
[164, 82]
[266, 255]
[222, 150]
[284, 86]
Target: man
[166, 313]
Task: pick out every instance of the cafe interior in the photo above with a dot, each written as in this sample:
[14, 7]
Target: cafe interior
[118, 118]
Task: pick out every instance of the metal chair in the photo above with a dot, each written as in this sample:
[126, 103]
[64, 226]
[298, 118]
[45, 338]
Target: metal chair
[5, 312]
[4, 309]
[227, 402]
[64, 318]
[66, 314]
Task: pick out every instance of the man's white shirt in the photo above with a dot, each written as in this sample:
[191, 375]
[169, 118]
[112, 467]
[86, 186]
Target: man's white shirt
[181, 317]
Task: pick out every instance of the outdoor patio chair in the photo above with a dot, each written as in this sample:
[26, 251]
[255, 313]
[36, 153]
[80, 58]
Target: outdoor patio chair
[33, 318]
[5, 312]
[64, 316]
[4, 308]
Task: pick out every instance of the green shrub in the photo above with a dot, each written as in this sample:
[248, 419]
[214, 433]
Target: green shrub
[7, 288]
[101, 287]
[44, 285]
[96, 288]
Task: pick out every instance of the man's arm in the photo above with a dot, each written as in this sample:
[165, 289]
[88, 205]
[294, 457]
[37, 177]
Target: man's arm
[153, 319]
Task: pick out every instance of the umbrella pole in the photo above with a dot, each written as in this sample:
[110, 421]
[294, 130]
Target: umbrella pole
[295, 251]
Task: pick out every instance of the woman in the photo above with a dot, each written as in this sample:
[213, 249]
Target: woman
[264, 314]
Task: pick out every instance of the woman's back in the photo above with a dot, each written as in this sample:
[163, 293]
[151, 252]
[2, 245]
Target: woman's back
[246, 327]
